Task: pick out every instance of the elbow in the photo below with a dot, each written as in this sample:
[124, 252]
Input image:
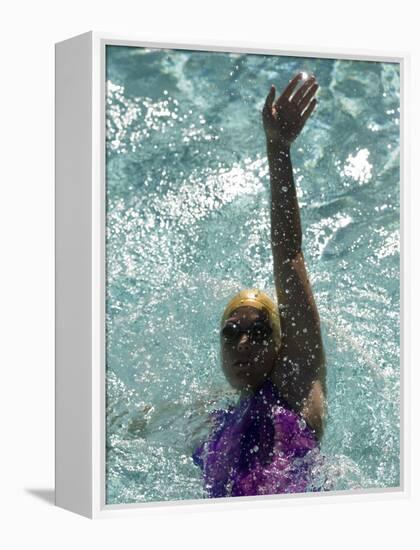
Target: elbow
[286, 252]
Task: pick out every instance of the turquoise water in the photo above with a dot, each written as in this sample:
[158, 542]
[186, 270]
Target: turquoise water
[188, 226]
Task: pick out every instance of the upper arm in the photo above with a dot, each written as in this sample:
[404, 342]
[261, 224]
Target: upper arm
[313, 409]
[300, 370]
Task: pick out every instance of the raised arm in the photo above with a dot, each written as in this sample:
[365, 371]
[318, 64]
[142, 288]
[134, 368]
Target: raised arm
[300, 371]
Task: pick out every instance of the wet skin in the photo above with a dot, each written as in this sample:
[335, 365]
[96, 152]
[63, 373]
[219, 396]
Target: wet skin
[249, 356]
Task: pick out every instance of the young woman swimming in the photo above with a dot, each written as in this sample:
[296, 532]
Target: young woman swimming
[272, 353]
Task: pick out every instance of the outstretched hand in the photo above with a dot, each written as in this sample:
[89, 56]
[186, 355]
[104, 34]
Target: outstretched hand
[284, 118]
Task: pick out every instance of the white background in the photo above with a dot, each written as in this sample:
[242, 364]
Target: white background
[28, 33]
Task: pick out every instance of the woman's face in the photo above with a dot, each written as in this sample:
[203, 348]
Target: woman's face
[247, 348]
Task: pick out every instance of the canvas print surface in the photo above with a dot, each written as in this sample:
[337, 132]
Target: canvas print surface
[252, 275]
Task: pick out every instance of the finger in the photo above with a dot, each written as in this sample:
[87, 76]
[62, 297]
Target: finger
[309, 110]
[287, 92]
[268, 106]
[298, 96]
[308, 97]
[292, 84]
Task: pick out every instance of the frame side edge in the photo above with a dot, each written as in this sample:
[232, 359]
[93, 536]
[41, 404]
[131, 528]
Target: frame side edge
[73, 387]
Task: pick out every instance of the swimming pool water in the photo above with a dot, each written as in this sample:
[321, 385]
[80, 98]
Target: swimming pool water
[188, 226]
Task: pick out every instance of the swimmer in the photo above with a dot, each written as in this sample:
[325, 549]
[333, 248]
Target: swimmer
[272, 352]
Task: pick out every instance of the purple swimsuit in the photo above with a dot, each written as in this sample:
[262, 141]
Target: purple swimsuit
[258, 447]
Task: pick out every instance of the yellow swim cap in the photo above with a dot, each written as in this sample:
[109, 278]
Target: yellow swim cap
[260, 300]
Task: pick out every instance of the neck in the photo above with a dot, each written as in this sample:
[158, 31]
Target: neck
[248, 391]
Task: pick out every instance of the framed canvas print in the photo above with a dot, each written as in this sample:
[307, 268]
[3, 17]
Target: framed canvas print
[228, 273]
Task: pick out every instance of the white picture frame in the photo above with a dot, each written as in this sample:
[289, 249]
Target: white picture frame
[80, 271]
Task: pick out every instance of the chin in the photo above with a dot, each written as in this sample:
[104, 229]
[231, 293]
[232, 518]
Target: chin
[245, 383]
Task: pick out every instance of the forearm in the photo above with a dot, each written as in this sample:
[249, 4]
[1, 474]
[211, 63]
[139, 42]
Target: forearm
[286, 232]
